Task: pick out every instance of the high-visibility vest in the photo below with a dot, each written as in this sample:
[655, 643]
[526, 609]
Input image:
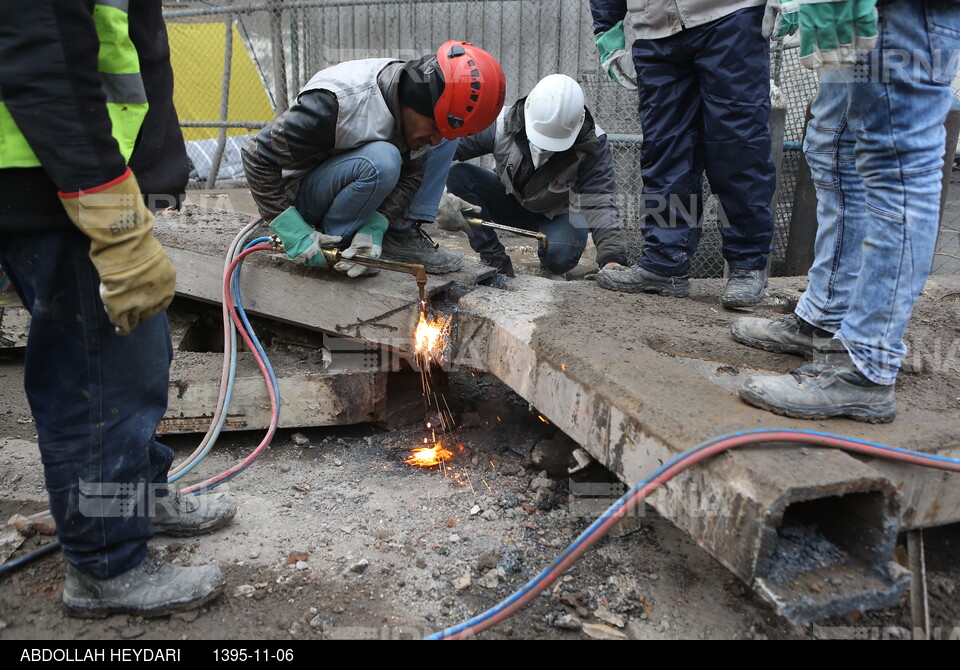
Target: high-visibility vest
[119, 67]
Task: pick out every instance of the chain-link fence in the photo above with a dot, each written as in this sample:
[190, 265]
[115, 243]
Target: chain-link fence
[274, 47]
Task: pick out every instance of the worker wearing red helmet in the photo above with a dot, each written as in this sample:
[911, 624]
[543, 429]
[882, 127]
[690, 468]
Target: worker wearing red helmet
[342, 164]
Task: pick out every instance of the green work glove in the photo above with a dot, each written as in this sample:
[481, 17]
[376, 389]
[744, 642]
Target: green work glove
[780, 19]
[367, 241]
[832, 32]
[302, 242]
[611, 45]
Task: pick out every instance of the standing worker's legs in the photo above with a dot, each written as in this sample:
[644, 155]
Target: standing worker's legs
[339, 194]
[885, 227]
[671, 156]
[97, 399]
[733, 64]
[898, 121]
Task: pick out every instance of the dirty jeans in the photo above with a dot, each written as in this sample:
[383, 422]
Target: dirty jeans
[338, 195]
[875, 149]
[97, 399]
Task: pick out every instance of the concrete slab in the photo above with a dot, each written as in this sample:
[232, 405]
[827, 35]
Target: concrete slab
[605, 368]
[382, 309]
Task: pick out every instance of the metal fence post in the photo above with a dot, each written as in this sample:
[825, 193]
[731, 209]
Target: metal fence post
[279, 64]
[224, 104]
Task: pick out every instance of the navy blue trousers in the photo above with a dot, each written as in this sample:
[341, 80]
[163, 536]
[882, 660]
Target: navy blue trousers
[97, 399]
[705, 106]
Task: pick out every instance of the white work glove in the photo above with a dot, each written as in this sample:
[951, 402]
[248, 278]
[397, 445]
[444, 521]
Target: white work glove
[450, 215]
[367, 241]
[619, 65]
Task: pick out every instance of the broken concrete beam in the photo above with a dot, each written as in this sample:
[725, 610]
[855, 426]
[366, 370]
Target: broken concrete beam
[14, 322]
[579, 355]
[307, 397]
[382, 309]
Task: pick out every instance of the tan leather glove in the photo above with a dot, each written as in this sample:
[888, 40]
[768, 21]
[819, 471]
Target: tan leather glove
[137, 279]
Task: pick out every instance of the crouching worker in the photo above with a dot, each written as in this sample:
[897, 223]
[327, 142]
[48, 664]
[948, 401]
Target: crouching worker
[554, 175]
[340, 167]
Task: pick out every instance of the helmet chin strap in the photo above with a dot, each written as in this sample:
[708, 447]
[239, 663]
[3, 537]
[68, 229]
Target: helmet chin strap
[539, 156]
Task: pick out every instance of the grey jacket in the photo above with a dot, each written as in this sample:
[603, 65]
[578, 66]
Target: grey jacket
[340, 108]
[653, 19]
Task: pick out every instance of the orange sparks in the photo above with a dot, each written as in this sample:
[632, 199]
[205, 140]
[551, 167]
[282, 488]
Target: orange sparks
[427, 456]
[540, 416]
[431, 337]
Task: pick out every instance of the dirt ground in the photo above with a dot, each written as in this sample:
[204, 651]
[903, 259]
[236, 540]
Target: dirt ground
[337, 537]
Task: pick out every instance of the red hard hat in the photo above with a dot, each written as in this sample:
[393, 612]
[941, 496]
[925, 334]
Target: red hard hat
[473, 92]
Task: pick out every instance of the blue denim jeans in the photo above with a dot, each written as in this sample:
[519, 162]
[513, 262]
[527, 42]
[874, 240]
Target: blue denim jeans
[566, 234]
[97, 399]
[875, 148]
[426, 201]
[338, 195]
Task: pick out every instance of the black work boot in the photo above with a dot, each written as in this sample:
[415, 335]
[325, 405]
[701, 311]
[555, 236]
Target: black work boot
[499, 260]
[831, 385]
[412, 245]
[787, 335]
[153, 588]
[635, 279]
[744, 288]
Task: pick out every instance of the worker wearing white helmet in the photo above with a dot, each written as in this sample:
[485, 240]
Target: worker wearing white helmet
[554, 174]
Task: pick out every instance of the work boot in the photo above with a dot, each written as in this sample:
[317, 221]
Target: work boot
[829, 386]
[499, 260]
[637, 280]
[787, 335]
[180, 515]
[153, 588]
[412, 245]
[744, 288]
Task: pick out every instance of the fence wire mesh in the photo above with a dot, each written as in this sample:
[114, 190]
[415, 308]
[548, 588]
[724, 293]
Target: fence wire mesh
[272, 48]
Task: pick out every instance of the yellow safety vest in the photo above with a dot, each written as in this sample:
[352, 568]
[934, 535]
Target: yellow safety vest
[119, 68]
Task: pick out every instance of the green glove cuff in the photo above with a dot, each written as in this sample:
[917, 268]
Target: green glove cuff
[297, 237]
[610, 41]
[375, 226]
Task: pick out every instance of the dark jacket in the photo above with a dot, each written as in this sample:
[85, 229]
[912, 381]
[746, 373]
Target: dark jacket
[580, 179]
[51, 86]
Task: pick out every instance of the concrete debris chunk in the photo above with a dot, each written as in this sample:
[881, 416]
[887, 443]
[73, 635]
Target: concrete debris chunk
[601, 631]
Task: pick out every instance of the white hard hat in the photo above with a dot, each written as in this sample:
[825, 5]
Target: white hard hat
[554, 112]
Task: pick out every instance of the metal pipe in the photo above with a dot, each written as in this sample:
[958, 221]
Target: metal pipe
[252, 125]
[279, 64]
[301, 4]
[480, 223]
[224, 103]
[419, 273]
